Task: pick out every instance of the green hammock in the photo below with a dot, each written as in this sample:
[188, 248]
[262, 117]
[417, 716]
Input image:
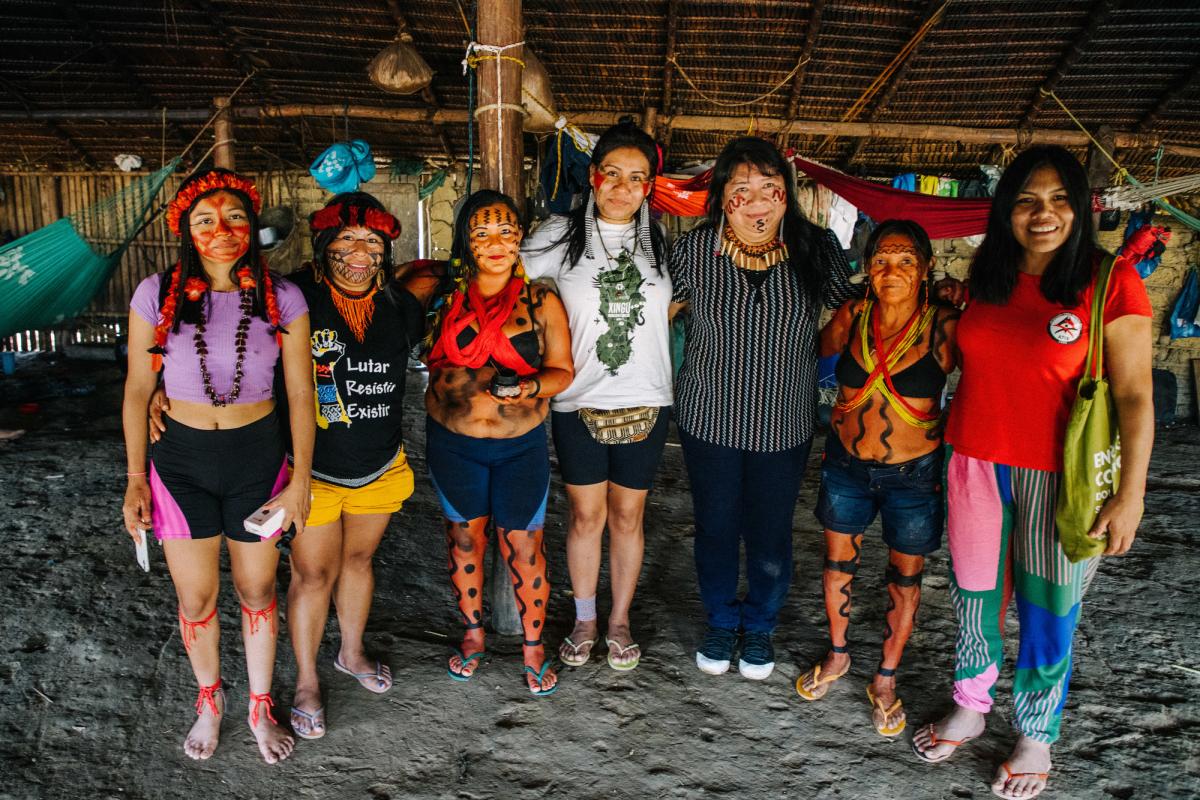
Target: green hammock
[52, 274]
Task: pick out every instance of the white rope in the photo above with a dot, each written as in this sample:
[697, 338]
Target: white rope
[1128, 197]
[496, 52]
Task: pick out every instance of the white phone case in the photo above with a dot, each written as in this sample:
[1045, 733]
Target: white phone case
[264, 522]
[141, 550]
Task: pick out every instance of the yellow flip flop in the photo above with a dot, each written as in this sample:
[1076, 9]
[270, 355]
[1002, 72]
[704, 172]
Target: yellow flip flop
[881, 713]
[820, 683]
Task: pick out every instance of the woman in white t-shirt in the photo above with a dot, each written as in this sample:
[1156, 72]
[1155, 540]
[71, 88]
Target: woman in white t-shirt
[608, 262]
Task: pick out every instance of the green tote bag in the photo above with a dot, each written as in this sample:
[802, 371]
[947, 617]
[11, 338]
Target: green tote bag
[1092, 445]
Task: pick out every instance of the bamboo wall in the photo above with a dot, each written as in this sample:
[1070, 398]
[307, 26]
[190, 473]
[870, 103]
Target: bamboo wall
[33, 200]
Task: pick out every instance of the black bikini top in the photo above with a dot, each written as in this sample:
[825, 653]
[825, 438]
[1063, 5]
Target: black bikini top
[923, 378]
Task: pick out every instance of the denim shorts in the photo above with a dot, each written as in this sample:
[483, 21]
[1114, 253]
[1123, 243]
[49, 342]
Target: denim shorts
[908, 496]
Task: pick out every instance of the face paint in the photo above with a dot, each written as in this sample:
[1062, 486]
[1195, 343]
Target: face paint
[355, 255]
[754, 203]
[620, 184]
[777, 195]
[220, 228]
[736, 202]
[896, 269]
[495, 237]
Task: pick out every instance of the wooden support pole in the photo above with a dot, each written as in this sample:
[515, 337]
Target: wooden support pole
[649, 119]
[498, 109]
[223, 130]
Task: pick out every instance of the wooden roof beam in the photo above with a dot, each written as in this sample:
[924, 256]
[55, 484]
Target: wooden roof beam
[668, 90]
[237, 46]
[1180, 87]
[884, 98]
[119, 64]
[810, 42]
[427, 94]
[33, 114]
[1097, 15]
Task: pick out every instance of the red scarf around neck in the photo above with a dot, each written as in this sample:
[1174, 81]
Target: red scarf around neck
[490, 343]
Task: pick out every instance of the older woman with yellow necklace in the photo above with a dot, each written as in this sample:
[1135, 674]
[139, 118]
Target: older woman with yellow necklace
[883, 454]
[754, 278]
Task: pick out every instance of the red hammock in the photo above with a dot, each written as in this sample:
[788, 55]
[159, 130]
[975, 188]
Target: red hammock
[941, 217]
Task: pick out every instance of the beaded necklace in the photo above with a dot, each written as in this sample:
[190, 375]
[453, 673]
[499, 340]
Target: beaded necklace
[752, 256]
[246, 286]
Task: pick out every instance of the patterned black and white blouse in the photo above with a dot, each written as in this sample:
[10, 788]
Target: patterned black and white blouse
[749, 374]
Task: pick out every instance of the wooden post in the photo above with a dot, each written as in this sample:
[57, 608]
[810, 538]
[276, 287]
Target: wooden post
[650, 120]
[501, 153]
[223, 130]
[501, 146]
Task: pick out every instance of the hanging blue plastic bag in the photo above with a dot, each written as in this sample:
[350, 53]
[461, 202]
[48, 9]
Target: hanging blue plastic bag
[1183, 316]
[344, 166]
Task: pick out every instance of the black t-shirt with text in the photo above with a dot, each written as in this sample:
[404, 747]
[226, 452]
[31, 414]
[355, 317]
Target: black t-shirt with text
[359, 385]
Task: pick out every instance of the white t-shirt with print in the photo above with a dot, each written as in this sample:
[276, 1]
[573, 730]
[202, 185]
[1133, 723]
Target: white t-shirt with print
[617, 310]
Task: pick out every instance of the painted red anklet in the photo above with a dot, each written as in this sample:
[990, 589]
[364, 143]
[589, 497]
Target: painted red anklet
[208, 696]
[187, 628]
[266, 614]
[265, 697]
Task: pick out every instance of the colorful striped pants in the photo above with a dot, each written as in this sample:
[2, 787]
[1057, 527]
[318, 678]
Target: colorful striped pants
[1001, 532]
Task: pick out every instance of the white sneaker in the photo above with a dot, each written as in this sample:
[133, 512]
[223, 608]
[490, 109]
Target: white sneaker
[712, 666]
[755, 672]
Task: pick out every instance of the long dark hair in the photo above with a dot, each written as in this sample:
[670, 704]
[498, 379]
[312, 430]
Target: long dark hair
[624, 134]
[993, 274]
[189, 260]
[799, 234]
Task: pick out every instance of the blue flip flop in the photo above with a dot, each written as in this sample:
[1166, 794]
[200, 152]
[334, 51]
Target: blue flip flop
[465, 661]
[315, 719]
[538, 674]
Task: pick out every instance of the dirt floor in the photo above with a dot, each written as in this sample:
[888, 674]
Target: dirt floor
[96, 694]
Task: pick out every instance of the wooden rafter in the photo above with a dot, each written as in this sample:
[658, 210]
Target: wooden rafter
[240, 49]
[668, 83]
[427, 94]
[33, 114]
[1180, 87]
[810, 42]
[1097, 15]
[119, 65]
[884, 98]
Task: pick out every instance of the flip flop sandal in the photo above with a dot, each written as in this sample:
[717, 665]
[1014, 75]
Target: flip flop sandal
[934, 741]
[369, 680]
[614, 647]
[880, 714]
[820, 684]
[575, 655]
[538, 674]
[466, 661]
[1009, 775]
[315, 720]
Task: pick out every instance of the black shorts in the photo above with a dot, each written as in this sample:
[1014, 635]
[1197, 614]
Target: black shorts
[206, 482]
[584, 461]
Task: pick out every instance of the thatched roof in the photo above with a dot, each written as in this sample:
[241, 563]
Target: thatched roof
[1129, 65]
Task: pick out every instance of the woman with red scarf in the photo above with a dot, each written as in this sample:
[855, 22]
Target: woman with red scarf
[499, 349]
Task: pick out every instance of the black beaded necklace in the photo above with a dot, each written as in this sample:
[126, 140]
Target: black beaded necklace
[239, 341]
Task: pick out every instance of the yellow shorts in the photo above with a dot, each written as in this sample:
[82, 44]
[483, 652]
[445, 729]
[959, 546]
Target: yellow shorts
[384, 495]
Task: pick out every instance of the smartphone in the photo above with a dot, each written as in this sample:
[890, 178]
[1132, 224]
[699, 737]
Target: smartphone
[264, 522]
[141, 550]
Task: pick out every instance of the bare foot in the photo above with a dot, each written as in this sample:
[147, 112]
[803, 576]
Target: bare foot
[1024, 774]
[817, 684]
[274, 742]
[938, 741]
[201, 741]
[464, 666]
[535, 659]
[576, 649]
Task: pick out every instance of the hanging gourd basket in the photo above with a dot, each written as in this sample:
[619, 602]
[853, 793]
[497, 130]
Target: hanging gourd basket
[536, 95]
[399, 68]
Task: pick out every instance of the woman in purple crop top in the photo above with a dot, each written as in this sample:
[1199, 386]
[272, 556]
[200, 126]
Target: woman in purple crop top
[214, 326]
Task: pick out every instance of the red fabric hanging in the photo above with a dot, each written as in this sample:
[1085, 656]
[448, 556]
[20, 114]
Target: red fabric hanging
[941, 217]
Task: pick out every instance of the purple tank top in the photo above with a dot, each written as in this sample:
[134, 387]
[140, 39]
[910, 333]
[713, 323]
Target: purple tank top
[181, 364]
